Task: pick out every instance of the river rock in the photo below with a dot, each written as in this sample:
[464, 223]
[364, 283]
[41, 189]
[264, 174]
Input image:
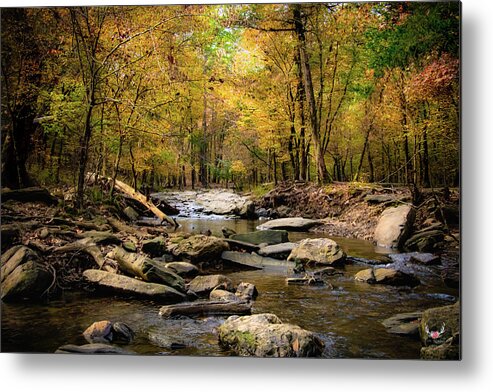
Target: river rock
[93, 348]
[14, 257]
[387, 276]
[183, 268]
[404, 324]
[99, 332]
[154, 247]
[122, 333]
[27, 280]
[223, 202]
[289, 224]
[426, 241]
[278, 251]
[269, 237]
[394, 226]
[318, 251]
[246, 291]
[439, 324]
[253, 260]
[127, 286]
[265, 335]
[222, 295]
[204, 284]
[199, 248]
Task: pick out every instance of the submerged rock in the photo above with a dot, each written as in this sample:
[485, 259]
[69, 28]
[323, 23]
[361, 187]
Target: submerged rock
[92, 348]
[265, 335]
[318, 251]
[394, 226]
[404, 324]
[290, 224]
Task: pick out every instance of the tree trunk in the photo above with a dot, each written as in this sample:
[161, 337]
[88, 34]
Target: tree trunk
[299, 24]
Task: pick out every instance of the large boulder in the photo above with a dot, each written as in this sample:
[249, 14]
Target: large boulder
[269, 237]
[127, 286]
[394, 226]
[290, 224]
[265, 335]
[440, 332]
[222, 295]
[27, 281]
[14, 257]
[318, 251]
[222, 202]
[387, 276]
[199, 248]
[204, 284]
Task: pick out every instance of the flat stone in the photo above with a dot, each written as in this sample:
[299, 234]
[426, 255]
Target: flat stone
[290, 224]
[253, 260]
[404, 324]
[386, 276]
[278, 251]
[269, 237]
[127, 286]
[94, 348]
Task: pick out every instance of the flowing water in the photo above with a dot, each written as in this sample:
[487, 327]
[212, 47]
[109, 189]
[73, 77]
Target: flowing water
[346, 317]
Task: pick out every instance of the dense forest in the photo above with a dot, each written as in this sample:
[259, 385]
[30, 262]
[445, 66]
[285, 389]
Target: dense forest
[231, 95]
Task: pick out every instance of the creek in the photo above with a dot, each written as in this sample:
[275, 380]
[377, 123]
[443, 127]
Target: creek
[346, 317]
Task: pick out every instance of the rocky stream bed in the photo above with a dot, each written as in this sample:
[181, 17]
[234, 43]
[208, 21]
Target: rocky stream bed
[238, 276]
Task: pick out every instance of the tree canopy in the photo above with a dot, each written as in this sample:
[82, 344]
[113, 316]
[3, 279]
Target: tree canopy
[189, 95]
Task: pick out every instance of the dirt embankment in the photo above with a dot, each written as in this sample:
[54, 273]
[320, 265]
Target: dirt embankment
[353, 209]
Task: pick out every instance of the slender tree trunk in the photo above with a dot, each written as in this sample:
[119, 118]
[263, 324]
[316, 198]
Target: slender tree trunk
[310, 95]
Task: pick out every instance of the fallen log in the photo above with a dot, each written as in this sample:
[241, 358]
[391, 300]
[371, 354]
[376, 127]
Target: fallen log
[202, 308]
[130, 192]
[147, 269]
[32, 194]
